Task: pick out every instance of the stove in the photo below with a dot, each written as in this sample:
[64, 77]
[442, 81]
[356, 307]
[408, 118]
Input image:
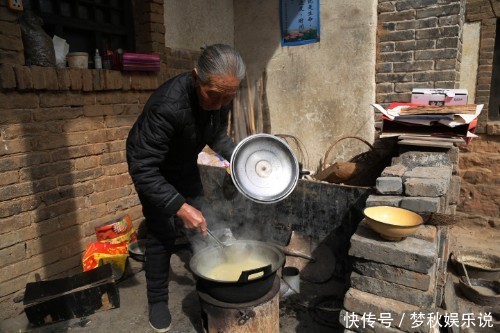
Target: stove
[260, 315]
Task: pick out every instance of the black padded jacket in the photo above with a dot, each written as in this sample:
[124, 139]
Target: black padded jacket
[164, 143]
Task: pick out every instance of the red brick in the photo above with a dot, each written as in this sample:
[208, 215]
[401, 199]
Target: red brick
[109, 195]
[11, 57]
[79, 151]
[14, 222]
[57, 113]
[75, 78]
[31, 130]
[122, 204]
[43, 171]
[84, 124]
[80, 176]
[128, 109]
[116, 169]
[117, 133]
[63, 79]
[15, 116]
[11, 29]
[51, 141]
[19, 161]
[44, 78]
[11, 43]
[15, 100]
[107, 183]
[57, 238]
[98, 136]
[62, 207]
[62, 268]
[67, 192]
[97, 79]
[113, 158]
[7, 77]
[14, 191]
[8, 178]
[86, 163]
[12, 254]
[87, 80]
[9, 147]
[50, 100]
[112, 80]
[116, 98]
[9, 289]
[98, 110]
[14, 207]
[120, 121]
[23, 77]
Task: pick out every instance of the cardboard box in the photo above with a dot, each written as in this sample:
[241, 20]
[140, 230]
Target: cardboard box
[439, 97]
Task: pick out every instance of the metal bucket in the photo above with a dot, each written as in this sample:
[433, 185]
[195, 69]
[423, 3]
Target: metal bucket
[264, 168]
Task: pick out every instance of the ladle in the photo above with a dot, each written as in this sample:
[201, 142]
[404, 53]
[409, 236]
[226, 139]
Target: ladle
[216, 239]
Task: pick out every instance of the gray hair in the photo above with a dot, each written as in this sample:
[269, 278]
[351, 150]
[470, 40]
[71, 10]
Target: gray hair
[220, 59]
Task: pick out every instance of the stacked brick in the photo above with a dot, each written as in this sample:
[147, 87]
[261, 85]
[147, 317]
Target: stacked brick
[419, 47]
[394, 285]
[423, 182]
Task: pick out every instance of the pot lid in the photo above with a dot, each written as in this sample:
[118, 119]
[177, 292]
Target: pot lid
[264, 168]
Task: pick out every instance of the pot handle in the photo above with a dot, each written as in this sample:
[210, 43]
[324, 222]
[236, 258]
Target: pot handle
[245, 274]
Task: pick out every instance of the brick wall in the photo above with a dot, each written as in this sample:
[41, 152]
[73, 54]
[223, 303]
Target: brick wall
[483, 12]
[62, 152]
[419, 43]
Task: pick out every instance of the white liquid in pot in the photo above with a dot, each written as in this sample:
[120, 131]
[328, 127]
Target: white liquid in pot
[231, 271]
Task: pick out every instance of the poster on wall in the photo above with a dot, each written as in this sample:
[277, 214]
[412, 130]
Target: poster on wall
[299, 22]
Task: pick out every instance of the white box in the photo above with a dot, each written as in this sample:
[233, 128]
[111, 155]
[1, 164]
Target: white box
[439, 97]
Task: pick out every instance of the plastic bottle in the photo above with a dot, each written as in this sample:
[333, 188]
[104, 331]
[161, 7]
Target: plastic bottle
[97, 60]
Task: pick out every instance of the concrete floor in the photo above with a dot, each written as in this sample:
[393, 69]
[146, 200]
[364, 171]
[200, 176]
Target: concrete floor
[298, 313]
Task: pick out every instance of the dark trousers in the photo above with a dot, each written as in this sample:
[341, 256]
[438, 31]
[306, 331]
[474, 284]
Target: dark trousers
[159, 248]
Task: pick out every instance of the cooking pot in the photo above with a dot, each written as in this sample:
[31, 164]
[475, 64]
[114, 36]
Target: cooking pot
[264, 168]
[252, 284]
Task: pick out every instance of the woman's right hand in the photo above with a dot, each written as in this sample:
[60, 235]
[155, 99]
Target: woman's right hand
[192, 218]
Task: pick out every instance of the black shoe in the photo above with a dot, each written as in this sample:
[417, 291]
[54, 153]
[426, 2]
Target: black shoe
[159, 317]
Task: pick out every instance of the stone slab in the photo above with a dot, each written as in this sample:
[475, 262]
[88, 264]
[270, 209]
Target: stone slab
[396, 170]
[361, 302]
[423, 299]
[383, 200]
[421, 204]
[393, 274]
[413, 159]
[410, 253]
[429, 172]
[389, 185]
[426, 187]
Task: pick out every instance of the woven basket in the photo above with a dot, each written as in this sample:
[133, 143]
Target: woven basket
[342, 172]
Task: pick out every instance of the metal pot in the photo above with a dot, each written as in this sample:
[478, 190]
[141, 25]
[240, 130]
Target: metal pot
[264, 168]
[250, 285]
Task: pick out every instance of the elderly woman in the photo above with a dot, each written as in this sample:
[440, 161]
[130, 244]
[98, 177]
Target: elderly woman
[183, 115]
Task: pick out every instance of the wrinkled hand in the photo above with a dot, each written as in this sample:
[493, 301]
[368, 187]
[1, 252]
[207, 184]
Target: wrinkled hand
[192, 218]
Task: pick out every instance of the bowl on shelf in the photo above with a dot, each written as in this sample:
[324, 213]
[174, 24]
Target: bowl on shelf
[392, 223]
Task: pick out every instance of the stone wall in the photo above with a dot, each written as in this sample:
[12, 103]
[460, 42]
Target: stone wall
[421, 181]
[62, 153]
[419, 46]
